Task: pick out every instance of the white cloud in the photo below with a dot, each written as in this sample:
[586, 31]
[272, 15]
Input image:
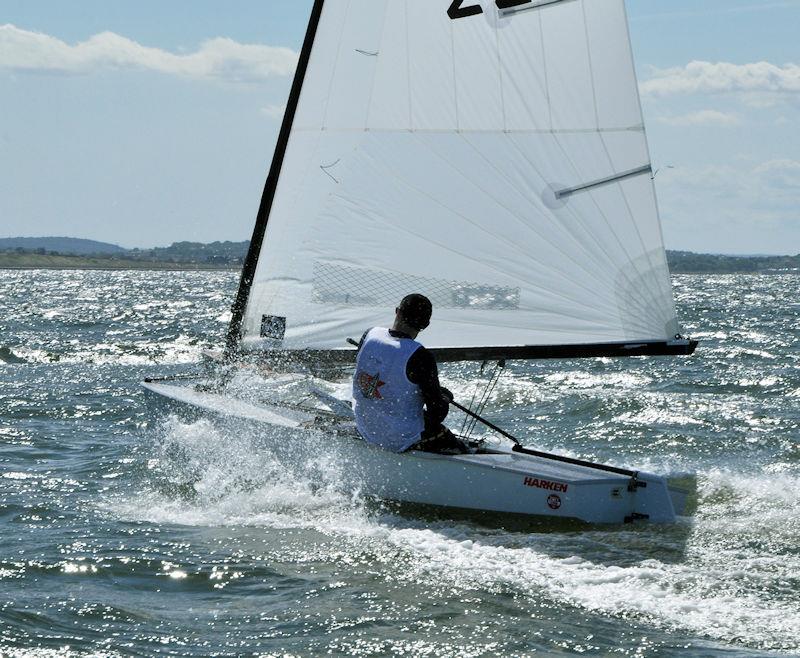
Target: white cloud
[743, 206]
[756, 190]
[782, 174]
[274, 111]
[218, 58]
[701, 118]
[723, 77]
[717, 10]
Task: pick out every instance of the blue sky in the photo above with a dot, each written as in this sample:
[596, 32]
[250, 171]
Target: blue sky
[122, 141]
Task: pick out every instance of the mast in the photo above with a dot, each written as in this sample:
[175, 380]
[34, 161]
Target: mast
[271, 185]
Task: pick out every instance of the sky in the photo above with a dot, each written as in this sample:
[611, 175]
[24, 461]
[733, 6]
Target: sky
[143, 123]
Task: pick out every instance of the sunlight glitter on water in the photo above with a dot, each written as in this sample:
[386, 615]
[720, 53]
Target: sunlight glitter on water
[713, 591]
[192, 539]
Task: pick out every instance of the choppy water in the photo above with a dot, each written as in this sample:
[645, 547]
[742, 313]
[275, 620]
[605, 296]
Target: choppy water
[118, 539]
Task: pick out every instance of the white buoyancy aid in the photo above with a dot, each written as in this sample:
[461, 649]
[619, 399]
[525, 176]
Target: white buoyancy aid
[387, 406]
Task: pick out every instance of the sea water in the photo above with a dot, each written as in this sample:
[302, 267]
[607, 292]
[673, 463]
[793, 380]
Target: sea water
[119, 537]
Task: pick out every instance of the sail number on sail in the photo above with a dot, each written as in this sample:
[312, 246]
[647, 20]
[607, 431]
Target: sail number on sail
[457, 11]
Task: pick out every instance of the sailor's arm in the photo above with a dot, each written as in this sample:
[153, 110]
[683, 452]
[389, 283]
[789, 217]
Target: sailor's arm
[422, 371]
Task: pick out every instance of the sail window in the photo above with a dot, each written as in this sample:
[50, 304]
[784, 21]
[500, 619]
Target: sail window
[356, 286]
[569, 191]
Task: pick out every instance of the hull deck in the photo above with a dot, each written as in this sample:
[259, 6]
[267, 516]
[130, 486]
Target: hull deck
[500, 479]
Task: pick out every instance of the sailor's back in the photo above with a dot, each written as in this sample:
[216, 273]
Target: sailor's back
[387, 406]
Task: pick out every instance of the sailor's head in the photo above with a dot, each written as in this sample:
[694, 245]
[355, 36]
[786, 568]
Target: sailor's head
[415, 311]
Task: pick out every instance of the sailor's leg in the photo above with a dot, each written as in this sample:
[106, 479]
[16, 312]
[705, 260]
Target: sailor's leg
[442, 440]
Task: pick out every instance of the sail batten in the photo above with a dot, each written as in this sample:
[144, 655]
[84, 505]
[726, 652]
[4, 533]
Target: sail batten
[493, 159]
[462, 131]
[647, 169]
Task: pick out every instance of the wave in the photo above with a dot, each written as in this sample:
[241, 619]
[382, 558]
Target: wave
[180, 351]
[728, 574]
[203, 475]
[7, 355]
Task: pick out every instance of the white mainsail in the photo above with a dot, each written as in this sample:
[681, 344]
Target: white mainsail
[490, 155]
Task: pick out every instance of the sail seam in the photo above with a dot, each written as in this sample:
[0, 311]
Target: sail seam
[408, 72]
[539, 235]
[511, 131]
[405, 229]
[650, 304]
[597, 205]
[566, 227]
[546, 77]
[455, 74]
[375, 73]
[511, 244]
[501, 79]
[602, 214]
[520, 219]
[525, 224]
[588, 254]
[589, 63]
[336, 61]
[622, 176]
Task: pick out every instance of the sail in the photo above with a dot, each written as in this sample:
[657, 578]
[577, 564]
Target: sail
[490, 155]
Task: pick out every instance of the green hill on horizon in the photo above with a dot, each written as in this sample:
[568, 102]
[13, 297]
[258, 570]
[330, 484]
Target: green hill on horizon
[62, 245]
[686, 262]
[56, 252]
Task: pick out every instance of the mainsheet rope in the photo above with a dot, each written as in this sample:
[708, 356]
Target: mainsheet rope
[468, 427]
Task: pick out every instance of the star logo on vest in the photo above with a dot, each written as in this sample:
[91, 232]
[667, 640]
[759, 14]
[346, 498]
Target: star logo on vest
[370, 385]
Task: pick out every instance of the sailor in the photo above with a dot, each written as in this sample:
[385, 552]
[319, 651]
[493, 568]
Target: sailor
[398, 402]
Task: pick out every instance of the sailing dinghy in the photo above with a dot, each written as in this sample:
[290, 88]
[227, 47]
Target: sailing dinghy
[492, 156]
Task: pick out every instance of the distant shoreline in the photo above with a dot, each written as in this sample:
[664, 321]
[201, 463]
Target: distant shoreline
[687, 262]
[63, 262]
[104, 268]
[77, 254]
[117, 264]
[795, 272]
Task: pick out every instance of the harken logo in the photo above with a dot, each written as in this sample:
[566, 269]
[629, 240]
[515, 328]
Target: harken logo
[370, 385]
[553, 501]
[545, 484]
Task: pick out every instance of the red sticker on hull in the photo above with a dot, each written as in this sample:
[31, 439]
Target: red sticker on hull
[553, 501]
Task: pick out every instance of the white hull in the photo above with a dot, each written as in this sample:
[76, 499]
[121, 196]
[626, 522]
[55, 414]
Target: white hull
[501, 480]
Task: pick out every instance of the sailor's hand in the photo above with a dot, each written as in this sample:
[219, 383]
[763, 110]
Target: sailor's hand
[446, 394]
